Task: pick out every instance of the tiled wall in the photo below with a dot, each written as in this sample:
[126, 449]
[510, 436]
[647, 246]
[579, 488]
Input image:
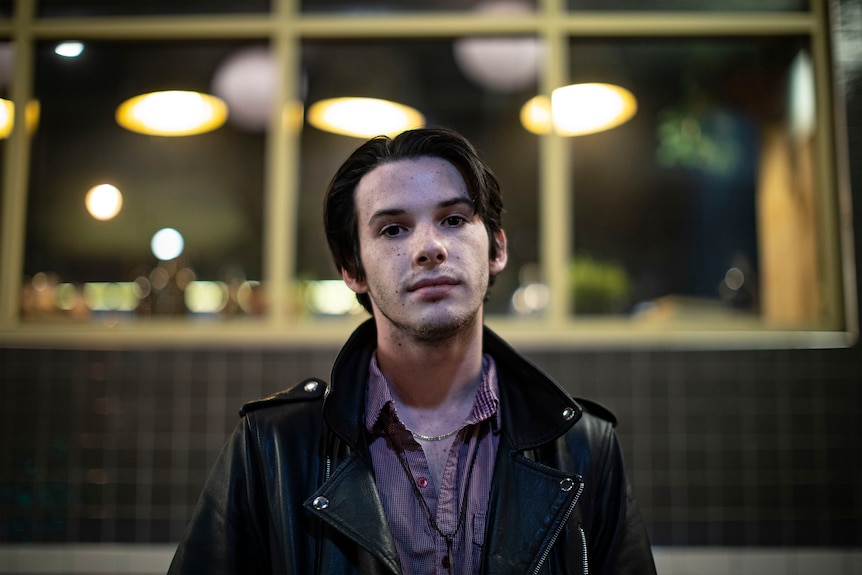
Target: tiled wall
[753, 448]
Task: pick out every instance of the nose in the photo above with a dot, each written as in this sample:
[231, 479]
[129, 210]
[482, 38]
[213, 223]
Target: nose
[429, 247]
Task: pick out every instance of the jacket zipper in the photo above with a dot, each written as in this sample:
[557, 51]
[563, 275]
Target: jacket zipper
[586, 563]
[559, 530]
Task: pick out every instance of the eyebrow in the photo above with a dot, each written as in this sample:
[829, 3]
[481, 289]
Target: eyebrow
[390, 212]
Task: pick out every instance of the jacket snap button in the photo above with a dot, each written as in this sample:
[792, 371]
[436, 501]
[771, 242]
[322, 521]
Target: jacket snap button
[320, 503]
[567, 484]
[310, 387]
[568, 413]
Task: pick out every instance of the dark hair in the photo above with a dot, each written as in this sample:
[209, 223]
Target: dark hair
[339, 211]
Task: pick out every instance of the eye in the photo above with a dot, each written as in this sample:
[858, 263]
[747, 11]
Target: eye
[454, 221]
[392, 230]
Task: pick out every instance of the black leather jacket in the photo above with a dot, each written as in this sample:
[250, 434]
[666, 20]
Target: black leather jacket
[293, 490]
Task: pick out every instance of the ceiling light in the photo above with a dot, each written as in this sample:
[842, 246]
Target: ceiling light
[7, 117]
[363, 117]
[69, 49]
[172, 113]
[579, 109]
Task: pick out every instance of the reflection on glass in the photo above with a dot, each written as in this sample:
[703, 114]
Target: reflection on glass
[426, 76]
[702, 204]
[208, 187]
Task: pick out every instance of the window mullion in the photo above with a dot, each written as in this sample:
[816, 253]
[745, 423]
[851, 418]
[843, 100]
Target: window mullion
[15, 173]
[555, 209]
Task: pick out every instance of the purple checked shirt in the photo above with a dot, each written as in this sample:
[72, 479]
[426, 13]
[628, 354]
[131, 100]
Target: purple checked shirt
[403, 475]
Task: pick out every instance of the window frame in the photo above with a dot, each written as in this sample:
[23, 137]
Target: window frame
[285, 28]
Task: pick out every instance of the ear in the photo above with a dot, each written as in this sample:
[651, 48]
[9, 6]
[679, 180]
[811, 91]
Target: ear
[499, 261]
[355, 285]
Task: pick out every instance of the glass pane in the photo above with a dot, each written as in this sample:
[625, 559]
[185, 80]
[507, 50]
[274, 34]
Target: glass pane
[702, 205]
[387, 6]
[208, 187]
[78, 8]
[483, 105]
[692, 5]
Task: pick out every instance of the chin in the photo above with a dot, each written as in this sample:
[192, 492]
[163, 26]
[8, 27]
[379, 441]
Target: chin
[441, 328]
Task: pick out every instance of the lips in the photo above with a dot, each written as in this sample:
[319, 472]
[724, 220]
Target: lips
[432, 283]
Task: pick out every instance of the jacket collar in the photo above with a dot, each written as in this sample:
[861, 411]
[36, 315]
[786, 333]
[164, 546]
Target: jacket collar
[534, 408]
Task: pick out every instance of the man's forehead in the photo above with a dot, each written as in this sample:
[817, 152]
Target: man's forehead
[417, 179]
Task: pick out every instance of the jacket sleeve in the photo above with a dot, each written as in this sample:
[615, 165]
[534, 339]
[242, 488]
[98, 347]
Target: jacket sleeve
[621, 544]
[223, 535]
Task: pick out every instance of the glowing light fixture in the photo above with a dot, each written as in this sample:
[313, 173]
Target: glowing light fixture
[7, 117]
[69, 49]
[579, 109]
[167, 244]
[104, 201]
[172, 113]
[363, 117]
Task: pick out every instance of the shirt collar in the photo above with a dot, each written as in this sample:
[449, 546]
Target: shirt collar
[379, 399]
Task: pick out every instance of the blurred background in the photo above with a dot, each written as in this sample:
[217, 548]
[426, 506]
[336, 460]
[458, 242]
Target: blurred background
[681, 178]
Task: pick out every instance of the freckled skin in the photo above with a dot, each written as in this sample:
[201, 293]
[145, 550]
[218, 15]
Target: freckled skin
[416, 224]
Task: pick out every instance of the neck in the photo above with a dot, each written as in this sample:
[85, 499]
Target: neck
[433, 385]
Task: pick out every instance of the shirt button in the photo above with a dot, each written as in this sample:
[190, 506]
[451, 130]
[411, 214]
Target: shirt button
[445, 562]
[422, 482]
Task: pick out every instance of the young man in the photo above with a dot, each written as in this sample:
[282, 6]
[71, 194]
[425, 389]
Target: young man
[436, 448]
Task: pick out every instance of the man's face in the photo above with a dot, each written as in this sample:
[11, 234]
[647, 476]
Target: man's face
[424, 250]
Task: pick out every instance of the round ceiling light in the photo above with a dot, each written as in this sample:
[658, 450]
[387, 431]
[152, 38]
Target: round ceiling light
[172, 113]
[363, 117]
[579, 109]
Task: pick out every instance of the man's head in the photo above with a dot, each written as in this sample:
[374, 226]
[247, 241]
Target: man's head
[339, 215]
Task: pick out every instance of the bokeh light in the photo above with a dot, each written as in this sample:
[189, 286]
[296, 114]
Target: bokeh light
[104, 201]
[69, 49]
[167, 244]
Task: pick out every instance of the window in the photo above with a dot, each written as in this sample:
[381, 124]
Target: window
[710, 211]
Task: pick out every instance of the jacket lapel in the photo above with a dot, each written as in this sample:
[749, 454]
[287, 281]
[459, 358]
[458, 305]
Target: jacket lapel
[529, 505]
[350, 504]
